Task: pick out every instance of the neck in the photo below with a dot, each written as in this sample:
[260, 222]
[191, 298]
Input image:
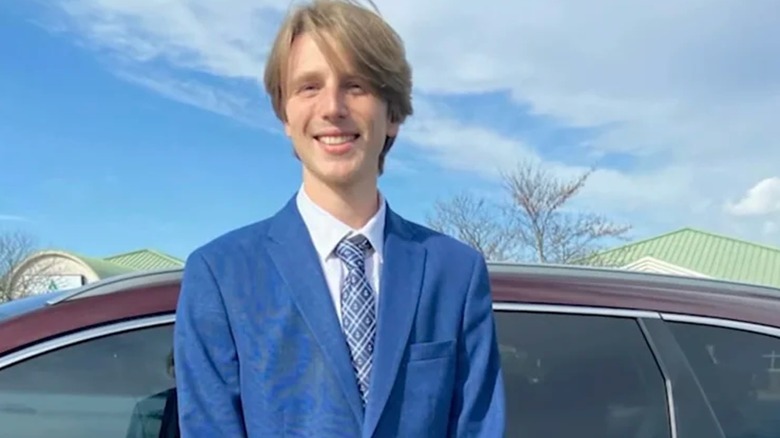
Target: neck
[354, 205]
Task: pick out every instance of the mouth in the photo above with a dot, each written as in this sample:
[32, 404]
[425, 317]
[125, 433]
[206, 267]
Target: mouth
[337, 145]
[336, 140]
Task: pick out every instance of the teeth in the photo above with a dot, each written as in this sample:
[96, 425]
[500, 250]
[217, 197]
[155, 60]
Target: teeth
[337, 139]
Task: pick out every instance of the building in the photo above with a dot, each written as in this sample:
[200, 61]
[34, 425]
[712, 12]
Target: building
[50, 270]
[697, 253]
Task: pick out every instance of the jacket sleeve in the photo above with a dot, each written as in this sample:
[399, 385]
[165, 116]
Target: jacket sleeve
[206, 365]
[478, 408]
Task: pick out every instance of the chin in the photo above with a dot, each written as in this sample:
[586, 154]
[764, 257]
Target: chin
[341, 176]
[341, 179]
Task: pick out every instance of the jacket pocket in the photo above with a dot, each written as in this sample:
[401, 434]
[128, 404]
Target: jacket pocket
[431, 350]
[426, 384]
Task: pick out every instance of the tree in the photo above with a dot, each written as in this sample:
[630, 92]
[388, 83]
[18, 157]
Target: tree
[533, 224]
[541, 222]
[15, 247]
[476, 222]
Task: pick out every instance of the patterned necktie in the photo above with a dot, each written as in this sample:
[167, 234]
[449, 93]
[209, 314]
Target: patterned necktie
[358, 310]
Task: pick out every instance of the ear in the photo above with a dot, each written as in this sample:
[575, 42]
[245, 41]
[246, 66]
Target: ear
[392, 129]
[287, 129]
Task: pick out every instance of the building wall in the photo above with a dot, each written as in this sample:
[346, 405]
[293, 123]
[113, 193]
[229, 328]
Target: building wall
[49, 271]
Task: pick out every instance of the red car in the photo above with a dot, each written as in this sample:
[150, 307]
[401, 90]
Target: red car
[586, 353]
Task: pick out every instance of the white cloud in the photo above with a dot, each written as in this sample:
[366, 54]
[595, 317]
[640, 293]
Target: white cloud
[210, 98]
[12, 218]
[690, 89]
[762, 199]
[224, 39]
[462, 146]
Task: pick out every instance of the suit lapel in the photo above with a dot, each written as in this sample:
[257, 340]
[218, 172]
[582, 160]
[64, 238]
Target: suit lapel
[401, 283]
[296, 259]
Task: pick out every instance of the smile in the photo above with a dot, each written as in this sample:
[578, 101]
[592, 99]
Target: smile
[336, 139]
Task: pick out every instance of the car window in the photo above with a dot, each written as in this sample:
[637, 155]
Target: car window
[120, 385]
[739, 372]
[579, 375]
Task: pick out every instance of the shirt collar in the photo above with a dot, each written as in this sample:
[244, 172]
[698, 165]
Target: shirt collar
[326, 231]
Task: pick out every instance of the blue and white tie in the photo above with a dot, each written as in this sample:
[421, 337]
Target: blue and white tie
[358, 309]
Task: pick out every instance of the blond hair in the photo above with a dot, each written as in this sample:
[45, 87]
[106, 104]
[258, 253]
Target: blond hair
[376, 53]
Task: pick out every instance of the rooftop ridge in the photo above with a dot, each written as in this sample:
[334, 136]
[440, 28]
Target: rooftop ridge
[161, 254]
[734, 239]
[682, 231]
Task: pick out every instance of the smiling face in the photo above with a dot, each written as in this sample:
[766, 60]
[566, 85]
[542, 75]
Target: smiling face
[337, 123]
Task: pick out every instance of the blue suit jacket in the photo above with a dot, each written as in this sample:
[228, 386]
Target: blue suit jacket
[260, 352]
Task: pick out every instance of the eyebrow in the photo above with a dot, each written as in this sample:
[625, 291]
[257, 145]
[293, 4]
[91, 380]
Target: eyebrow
[304, 77]
[310, 76]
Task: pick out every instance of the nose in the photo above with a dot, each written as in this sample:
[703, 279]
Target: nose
[333, 103]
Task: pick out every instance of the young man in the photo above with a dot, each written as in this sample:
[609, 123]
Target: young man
[336, 317]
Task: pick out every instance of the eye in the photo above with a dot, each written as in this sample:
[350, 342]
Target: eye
[355, 87]
[307, 88]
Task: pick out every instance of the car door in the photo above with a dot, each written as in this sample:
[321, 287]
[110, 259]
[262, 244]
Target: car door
[737, 366]
[115, 380]
[596, 372]
[580, 372]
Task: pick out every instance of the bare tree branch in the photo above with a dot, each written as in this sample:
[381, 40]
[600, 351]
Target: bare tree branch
[575, 237]
[535, 225]
[476, 222]
[540, 222]
[15, 247]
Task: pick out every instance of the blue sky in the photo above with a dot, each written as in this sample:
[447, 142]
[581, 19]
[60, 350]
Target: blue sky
[129, 123]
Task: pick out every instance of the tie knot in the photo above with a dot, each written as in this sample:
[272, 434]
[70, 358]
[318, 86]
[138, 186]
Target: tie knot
[353, 248]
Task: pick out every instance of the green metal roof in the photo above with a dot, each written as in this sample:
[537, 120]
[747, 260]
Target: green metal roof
[707, 253]
[103, 268]
[145, 259]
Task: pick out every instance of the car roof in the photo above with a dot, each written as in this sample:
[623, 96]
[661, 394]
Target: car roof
[150, 293]
[622, 277]
[24, 305]
[624, 289]
[511, 282]
[113, 300]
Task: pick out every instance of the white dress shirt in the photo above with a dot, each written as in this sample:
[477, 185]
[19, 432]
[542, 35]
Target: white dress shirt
[326, 232]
